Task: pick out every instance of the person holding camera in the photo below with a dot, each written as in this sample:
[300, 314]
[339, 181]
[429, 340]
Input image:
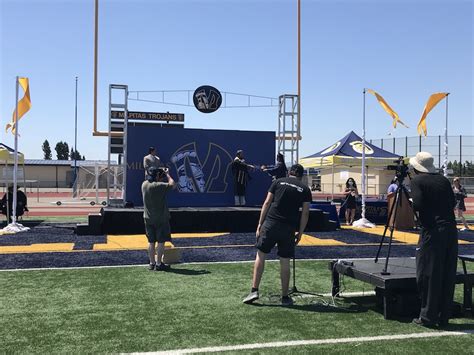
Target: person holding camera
[437, 251]
[460, 194]
[151, 160]
[278, 223]
[156, 214]
[351, 194]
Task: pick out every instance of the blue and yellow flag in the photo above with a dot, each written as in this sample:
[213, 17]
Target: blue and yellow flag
[387, 109]
[430, 104]
[24, 105]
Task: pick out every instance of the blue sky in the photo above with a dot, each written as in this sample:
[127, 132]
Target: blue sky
[405, 50]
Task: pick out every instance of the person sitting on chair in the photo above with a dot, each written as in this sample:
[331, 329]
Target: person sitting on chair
[7, 203]
[392, 188]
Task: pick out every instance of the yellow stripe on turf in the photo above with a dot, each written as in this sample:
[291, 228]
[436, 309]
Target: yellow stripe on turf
[176, 235]
[308, 240]
[124, 242]
[36, 248]
[198, 235]
[399, 236]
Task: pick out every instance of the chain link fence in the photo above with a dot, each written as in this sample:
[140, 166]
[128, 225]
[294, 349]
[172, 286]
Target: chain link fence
[460, 148]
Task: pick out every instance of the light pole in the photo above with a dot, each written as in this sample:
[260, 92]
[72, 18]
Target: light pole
[75, 146]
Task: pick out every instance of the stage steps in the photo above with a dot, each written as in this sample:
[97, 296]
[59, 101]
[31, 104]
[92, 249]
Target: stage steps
[190, 219]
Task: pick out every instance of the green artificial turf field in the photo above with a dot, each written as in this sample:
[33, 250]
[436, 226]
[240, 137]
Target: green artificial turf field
[130, 309]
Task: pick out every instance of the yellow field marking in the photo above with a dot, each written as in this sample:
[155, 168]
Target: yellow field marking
[399, 236]
[139, 241]
[122, 242]
[198, 235]
[174, 235]
[308, 240]
[36, 248]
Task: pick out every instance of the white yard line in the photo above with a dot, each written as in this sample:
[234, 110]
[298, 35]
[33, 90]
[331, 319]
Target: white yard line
[191, 263]
[281, 344]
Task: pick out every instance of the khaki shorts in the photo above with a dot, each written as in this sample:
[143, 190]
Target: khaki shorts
[158, 233]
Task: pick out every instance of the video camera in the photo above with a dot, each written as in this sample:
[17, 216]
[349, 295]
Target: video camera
[401, 169]
[160, 171]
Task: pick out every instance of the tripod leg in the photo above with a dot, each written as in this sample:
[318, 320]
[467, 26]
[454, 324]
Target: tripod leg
[387, 224]
[396, 203]
[294, 289]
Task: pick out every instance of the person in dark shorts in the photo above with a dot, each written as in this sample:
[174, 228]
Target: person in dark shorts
[279, 220]
[156, 214]
[437, 250]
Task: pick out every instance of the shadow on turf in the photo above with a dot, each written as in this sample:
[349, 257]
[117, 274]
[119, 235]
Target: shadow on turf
[317, 305]
[28, 223]
[188, 272]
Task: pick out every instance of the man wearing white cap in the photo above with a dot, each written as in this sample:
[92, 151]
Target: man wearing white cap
[437, 251]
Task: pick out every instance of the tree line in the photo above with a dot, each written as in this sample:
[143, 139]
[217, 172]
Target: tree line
[62, 152]
[459, 169]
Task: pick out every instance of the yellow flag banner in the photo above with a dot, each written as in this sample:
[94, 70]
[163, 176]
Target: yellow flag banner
[24, 104]
[432, 102]
[387, 109]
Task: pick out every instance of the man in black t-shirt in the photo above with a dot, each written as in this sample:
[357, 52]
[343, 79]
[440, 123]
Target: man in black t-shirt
[437, 251]
[279, 221]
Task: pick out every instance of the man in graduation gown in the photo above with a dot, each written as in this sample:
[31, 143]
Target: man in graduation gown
[240, 171]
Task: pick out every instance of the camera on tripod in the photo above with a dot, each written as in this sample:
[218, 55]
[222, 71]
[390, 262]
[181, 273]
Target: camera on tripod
[401, 169]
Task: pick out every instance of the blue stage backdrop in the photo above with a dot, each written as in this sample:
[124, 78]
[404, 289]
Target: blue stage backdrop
[200, 162]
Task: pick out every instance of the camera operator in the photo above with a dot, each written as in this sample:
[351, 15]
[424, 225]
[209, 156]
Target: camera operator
[284, 199]
[437, 251]
[156, 214]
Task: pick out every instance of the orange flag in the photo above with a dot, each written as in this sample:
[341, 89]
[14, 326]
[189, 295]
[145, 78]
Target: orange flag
[387, 109]
[432, 102]
[24, 104]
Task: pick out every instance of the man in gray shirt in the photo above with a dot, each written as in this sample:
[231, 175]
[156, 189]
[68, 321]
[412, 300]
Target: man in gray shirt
[151, 160]
[156, 215]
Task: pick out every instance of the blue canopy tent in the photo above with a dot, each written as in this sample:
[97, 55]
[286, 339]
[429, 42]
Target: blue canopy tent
[348, 152]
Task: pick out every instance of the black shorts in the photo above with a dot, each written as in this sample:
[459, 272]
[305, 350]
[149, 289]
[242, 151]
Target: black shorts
[281, 234]
[158, 233]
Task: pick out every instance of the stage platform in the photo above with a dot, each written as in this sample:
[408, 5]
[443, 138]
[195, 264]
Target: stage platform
[397, 290]
[192, 219]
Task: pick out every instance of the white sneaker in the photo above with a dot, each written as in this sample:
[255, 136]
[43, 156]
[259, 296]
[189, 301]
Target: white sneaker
[464, 229]
[252, 296]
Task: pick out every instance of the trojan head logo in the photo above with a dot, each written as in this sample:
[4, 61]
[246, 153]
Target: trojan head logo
[357, 146]
[331, 148]
[196, 176]
[207, 99]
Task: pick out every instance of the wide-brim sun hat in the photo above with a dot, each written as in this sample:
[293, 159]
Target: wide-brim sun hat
[423, 162]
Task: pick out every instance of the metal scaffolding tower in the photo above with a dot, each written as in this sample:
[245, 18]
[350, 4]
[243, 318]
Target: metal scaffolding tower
[288, 137]
[118, 144]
